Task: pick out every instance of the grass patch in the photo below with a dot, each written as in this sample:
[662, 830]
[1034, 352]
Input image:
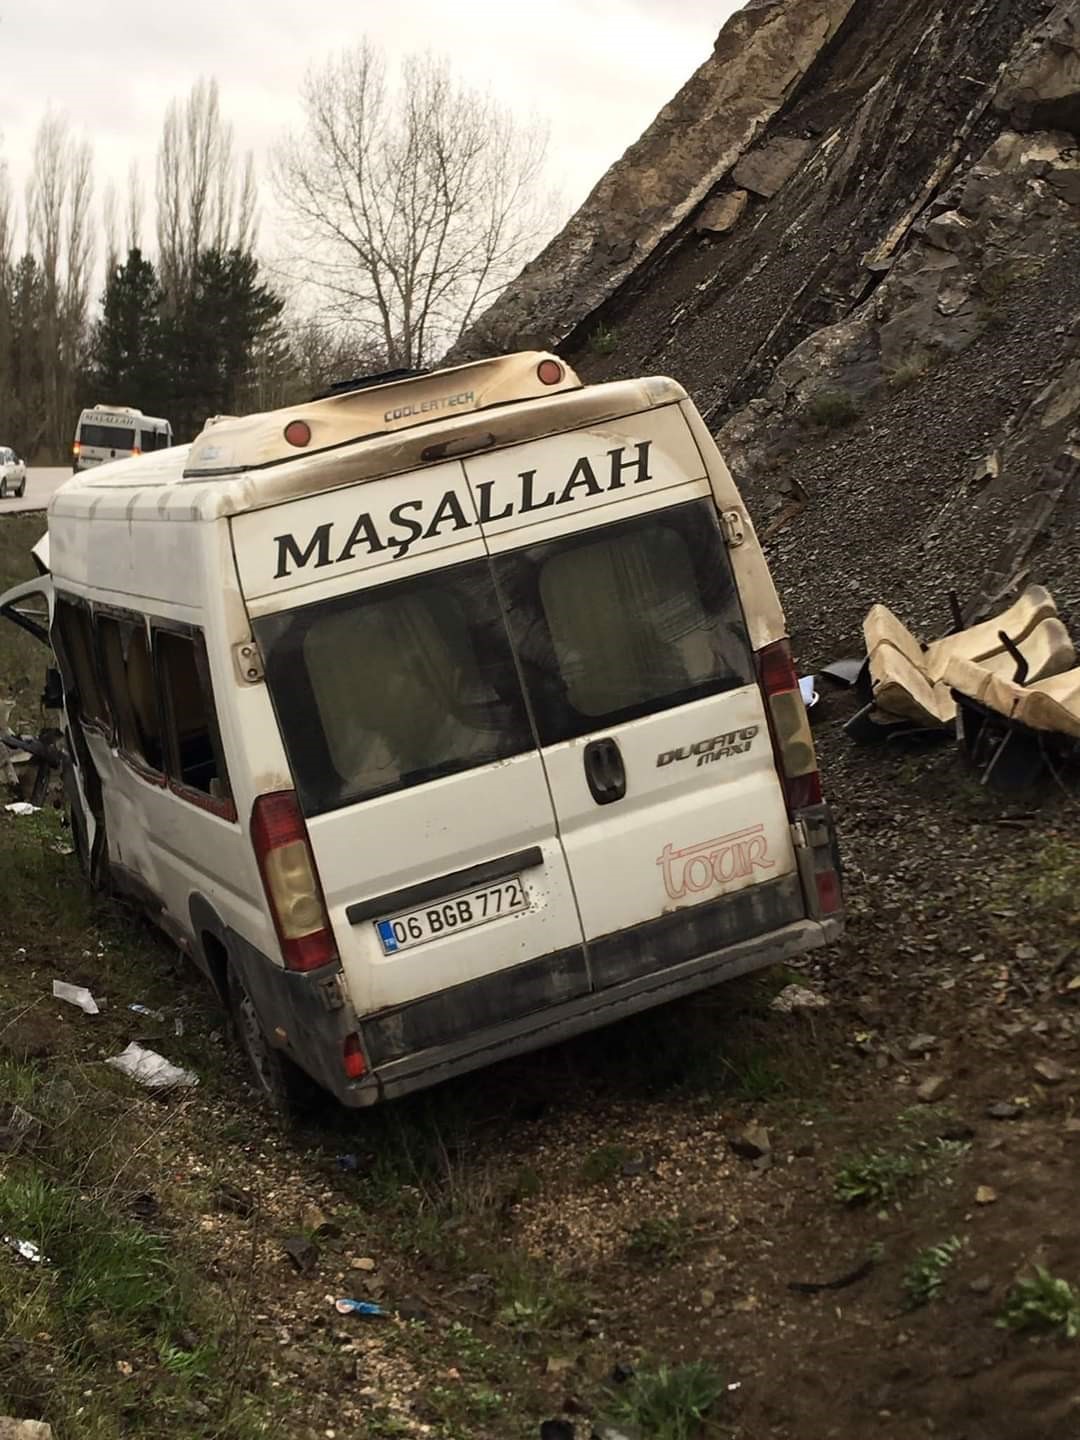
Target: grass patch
[604, 1164]
[909, 368]
[831, 409]
[1055, 888]
[924, 1279]
[669, 1404]
[1042, 1301]
[660, 1239]
[882, 1177]
[604, 340]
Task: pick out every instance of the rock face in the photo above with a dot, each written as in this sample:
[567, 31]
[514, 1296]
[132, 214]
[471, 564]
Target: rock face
[1041, 86]
[761, 56]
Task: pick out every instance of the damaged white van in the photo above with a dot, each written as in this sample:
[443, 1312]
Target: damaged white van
[439, 719]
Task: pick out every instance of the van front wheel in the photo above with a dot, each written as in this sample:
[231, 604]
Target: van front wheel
[279, 1082]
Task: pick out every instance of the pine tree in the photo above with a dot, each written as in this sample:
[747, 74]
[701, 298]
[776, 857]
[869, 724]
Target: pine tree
[127, 345]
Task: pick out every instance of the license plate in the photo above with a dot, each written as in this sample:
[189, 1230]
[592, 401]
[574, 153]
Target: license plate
[417, 927]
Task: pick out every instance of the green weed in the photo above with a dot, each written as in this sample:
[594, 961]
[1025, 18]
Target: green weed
[877, 1177]
[924, 1278]
[604, 1164]
[669, 1404]
[911, 367]
[603, 340]
[831, 409]
[660, 1239]
[1042, 1302]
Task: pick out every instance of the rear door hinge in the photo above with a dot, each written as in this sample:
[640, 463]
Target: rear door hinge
[248, 662]
[731, 523]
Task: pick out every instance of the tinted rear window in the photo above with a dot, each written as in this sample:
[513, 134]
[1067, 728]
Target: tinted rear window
[394, 686]
[107, 437]
[624, 620]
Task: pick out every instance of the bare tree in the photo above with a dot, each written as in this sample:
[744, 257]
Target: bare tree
[110, 226]
[133, 238]
[59, 201]
[410, 206]
[202, 203]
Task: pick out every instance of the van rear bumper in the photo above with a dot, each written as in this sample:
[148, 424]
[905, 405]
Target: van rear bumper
[588, 1012]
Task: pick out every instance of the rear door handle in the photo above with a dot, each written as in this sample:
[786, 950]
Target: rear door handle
[605, 772]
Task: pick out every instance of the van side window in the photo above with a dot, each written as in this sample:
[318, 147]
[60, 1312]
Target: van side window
[187, 708]
[624, 620]
[129, 678]
[77, 649]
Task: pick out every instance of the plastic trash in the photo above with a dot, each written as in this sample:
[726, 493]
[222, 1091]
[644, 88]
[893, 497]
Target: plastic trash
[145, 1010]
[26, 1248]
[151, 1069]
[844, 672]
[76, 995]
[809, 694]
[360, 1307]
[22, 807]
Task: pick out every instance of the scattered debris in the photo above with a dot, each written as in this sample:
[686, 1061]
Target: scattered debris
[77, 995]
[808, 692]
[365, 1263]
[22, 807]
[151, 1069]
[556, 1430]
[932, 1089]
[1004, 1110]
[367, 1308]
[844, 672]
[303, 1253]
[1050, 1072]
[145, 1010]
[922, 1044]
[851, 1277]
[26, 1249]
[985, 1195]
[18, 1128]
[234, 1201]
[751, 1143]
[797, 997]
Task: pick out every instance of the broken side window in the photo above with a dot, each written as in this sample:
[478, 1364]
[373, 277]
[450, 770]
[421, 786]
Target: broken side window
[194, 758]
[79, 662]
[129, 683]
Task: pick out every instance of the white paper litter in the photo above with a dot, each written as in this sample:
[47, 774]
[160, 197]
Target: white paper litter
[76, 995]
[809, 694]
[26, 1248]
[22, 807]
[151, 1069]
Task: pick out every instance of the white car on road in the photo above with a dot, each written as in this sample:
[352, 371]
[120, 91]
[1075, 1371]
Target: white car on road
[12, 474]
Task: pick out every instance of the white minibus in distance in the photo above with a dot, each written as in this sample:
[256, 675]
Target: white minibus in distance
[114, 432]
[440, 719]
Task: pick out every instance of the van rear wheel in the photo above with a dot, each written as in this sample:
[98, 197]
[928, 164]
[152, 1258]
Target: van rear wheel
[279, 1082]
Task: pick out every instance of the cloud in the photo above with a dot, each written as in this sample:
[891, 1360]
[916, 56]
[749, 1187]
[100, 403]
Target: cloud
[596, 71]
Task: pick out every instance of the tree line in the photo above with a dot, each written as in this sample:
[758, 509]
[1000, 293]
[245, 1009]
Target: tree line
[406, 202]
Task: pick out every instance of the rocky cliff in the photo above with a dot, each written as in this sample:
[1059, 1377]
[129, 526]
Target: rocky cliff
[855, 237]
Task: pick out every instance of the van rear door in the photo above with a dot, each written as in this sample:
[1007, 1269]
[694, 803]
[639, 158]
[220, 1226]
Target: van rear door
[631, 640]
[417, 769]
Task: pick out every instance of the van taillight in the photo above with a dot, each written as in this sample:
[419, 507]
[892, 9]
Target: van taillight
[76, 448]
[287, 866]
[353, 1057]
[790, 726]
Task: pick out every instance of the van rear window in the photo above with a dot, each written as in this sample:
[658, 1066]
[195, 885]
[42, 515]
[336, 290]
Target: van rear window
[394, 686]
[621, 621]
[107, 437]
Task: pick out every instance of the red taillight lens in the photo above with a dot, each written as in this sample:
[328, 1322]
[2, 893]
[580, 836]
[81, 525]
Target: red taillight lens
[549, 372]
[280, 838]
[828, 888]
[355, 1064]
[789, 726]
[298, 432]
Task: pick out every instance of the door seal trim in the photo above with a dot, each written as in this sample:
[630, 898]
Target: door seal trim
[443, 885]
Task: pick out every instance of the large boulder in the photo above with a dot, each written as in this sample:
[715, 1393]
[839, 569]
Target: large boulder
[760, 57]
[1040, 88]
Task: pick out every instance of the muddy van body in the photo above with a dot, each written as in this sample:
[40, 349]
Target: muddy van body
[441, 719]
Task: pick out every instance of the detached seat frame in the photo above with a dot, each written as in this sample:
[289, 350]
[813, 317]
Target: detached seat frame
[1006, 751]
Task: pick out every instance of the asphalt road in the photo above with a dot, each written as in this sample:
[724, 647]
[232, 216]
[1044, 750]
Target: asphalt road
[41, 481]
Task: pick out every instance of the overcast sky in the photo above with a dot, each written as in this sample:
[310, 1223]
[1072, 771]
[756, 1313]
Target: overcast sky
[596, 70]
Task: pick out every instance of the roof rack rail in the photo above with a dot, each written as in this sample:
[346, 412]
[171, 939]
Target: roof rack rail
[366, 382]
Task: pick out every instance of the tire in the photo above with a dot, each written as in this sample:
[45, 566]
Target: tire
[3, 490]
[22, 489]
[278, 1082]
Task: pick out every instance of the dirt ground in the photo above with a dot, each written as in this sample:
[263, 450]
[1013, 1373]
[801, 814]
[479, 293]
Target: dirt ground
[541, 1230]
